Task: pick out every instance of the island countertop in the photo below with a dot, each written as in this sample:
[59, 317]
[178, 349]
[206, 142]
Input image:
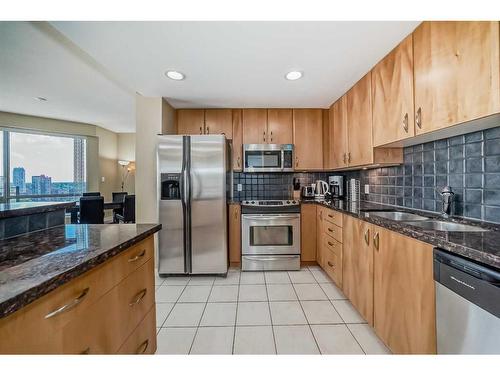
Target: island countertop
[14, 209]
[34, 264]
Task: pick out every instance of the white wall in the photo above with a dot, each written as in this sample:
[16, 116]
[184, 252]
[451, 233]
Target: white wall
[126, 151]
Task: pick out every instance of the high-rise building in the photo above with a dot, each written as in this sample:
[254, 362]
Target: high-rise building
[79, 163]
[19, 179]
[41, 185]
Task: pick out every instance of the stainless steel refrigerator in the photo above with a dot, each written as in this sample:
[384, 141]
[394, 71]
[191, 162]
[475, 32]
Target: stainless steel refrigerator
[192, 175]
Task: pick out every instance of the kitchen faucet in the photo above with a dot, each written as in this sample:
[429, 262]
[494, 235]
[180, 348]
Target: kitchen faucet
[447, 197]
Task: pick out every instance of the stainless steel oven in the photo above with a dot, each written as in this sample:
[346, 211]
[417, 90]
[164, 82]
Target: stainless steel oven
[268, 158]
[270, 235]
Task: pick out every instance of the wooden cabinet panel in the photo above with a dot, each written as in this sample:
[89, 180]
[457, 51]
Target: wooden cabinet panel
[307, 138]
[333, 266]
[404, 297]
[237, 140]
[327, 139]
[332, 230]
[359, 123]
[143, 339]
[457, 70]
[254, 125]
[338, 133]
[190, 121]
[219, 121]
[234, 233]
[334, 217]
[319, 236]
[308, 232]
[279, 126]
[357, 280]
[392, 93]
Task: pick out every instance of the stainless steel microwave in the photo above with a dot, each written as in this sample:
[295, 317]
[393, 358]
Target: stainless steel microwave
[268, 158]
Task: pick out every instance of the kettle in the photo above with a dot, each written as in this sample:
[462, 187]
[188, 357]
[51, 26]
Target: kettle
[321, 189]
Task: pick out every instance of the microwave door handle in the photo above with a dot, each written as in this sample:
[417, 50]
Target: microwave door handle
[282, 160]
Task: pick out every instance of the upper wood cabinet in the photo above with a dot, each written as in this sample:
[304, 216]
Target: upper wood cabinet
[338, 133]
[219, 121]
[457, 71]
[190, 121]
[404, 296]
[254, 125]
[237, 140]
[359, 123]
[392, 93]
[279, 126]
[308, 138]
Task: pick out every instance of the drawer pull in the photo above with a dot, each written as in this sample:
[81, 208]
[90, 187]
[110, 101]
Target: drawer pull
[330, 216]
[86, 351]
[138, 256]
[330, 230]
[70, 305]
[143, 347]
[329, 243]
[330, 264]
[367, 237]
[139, 297]
[376, 240]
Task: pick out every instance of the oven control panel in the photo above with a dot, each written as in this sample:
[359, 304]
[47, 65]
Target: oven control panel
[270, 203]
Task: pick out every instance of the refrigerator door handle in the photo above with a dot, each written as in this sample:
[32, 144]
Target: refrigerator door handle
[186, 203]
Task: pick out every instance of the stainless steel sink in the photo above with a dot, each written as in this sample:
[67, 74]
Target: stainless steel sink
[446, 226]
[398, 215]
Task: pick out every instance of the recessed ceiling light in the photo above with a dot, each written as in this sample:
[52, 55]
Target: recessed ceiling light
[293, 75]
[41, 99]
[175, 75]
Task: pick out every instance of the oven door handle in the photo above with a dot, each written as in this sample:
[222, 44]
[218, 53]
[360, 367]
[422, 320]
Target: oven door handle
[265, 259]
[270, 216]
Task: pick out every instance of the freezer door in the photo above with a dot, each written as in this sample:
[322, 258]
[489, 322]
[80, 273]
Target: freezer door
[208, 205]
[171, 253]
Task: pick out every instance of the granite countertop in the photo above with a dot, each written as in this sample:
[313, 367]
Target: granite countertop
[483, 247]
[27, 208]
[33, 264]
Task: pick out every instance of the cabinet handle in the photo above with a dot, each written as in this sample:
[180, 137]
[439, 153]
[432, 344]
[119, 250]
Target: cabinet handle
[405, 123]
[367, 237]
[208, 130]
[345, 158]
[330, 230]
[418, 118]
[330, 264]
[271, 137]
[329, 243]
[201, 130]
[86, 351]
[238, 162]
[70, 305]
[330, 216]
[348, 157]
[137, 257]
[143, 347]
[139, 297]
[296, 161]
[376, 240]
[264, 136]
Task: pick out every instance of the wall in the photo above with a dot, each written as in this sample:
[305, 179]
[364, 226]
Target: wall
[108, 163]
[126, 151]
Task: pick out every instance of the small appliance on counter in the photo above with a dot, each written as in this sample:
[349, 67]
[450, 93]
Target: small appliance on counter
[307, 191]
[296, 188]
[321, 188]
[336, 184]
[353, 190]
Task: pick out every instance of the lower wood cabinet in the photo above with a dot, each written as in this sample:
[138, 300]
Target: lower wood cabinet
[234, 221]
[329, 243]
[308, 247]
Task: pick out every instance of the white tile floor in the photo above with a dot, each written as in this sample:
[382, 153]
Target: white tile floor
[300, 312]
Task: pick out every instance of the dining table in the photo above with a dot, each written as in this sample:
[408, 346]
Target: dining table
[73, 211]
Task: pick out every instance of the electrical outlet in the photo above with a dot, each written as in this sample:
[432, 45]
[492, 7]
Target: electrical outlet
[367, 189]
[240, 187]
[103, 179]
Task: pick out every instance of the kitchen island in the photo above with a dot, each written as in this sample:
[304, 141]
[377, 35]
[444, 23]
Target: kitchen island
[78, 289]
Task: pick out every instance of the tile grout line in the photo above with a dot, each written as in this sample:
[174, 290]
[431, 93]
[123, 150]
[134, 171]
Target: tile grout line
[236, 313]
[201, 317]
[175, 303]
[355, 339]
[270, 314]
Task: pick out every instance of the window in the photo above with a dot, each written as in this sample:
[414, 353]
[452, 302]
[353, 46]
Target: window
[44, 167]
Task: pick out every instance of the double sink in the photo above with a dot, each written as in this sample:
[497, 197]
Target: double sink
[423, 222]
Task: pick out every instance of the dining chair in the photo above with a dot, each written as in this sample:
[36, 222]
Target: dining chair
[128, 210]
[91, 210]
[92, 194]
[118, 197]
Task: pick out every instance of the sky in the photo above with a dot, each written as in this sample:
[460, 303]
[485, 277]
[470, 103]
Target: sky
[42, 154]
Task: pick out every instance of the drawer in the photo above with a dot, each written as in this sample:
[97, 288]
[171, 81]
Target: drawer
[332, 245]
[270, 262]
[143, 339]
[333, 217]
[333, 266]
[332, 230]
[103, 327]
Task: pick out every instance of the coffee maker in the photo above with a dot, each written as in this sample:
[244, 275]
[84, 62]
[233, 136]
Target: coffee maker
[336, 184]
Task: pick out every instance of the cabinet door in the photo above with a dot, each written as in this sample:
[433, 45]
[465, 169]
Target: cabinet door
[190, 121]
[308, 138]
[357, 281]
[254, 125]
[359, 123]
[237, 140]
[327, 138]
[456, 73]
[338, 134]
[320, 211]
[404, 297]
[308, 232]
[392, 93]
[234, 233]
[219, 121]
[279, 126]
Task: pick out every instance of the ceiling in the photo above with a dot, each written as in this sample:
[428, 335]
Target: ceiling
[90, 71]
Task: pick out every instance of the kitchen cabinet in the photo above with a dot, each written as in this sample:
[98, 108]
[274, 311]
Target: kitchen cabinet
[308, 232]
[254, 122]
[279, 126]
[237, 145]
[219, 121]
[403, 287]
[190, 121]
[234, 213]
[327, 139]
[357, 280]
[307, 138]
[338, 133]
[329, 243]
[392, 93]
[457, 69]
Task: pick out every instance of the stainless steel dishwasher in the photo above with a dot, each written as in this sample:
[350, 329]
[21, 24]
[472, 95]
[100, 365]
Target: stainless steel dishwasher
[467, 305]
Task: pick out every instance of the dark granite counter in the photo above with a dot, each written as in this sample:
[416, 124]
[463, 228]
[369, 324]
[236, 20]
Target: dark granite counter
[483, 247]
[29, 208]
[33, 264]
